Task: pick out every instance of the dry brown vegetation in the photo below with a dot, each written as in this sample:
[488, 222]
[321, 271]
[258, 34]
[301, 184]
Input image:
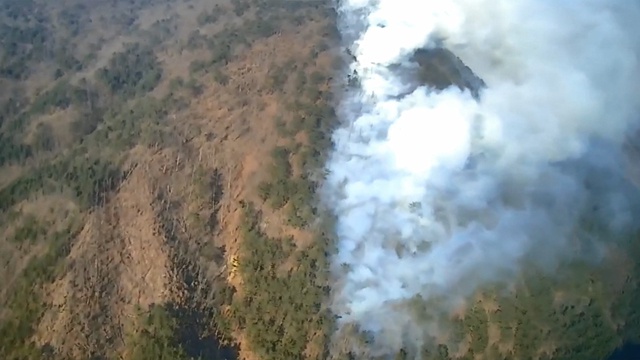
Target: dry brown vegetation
[165, 115]
[158, 167]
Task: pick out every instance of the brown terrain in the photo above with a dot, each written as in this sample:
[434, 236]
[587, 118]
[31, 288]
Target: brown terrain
[170, 231]
[158, 167]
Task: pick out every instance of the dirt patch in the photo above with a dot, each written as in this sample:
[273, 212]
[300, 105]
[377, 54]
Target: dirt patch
[494, 333]
[9, 174]
[117, 263]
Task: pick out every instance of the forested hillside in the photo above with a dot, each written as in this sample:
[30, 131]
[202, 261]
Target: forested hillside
[159, 162]
[159, 168]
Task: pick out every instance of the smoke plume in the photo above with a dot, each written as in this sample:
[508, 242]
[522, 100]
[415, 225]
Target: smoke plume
[439, 191]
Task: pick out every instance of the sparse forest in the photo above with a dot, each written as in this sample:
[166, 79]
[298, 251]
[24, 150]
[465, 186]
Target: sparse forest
[159, 168]
[122, 128]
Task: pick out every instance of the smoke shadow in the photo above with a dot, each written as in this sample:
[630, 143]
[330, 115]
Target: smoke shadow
[628, 351]
[191, 323]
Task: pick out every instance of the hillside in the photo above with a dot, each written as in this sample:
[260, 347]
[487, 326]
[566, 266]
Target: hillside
[157, 178]
[159, 162]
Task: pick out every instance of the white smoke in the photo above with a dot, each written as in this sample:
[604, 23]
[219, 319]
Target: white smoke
[437, 193]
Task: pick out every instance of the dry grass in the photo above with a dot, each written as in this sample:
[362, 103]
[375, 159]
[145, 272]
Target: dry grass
[121, 260]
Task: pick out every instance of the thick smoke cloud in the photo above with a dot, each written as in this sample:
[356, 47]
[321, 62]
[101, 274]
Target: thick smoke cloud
[438, 193]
